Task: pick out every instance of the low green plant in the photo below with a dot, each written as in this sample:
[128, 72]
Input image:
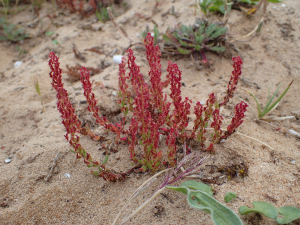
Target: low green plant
[224, 6]
[269, 107]
[11, 32]
[199, 196]
[102, 13]
[229, 196]
[254, 2]
[288, 213]
[203, 36]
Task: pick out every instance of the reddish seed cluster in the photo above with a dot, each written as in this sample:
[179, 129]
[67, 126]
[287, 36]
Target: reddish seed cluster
[232, 85]
[237, 120]
[153, 56]
[216, 124]
[70, 121]
[90, 97]
[182, 108]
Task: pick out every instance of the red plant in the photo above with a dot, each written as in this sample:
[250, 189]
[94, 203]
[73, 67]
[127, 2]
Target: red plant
[151, 115]
[69, 118]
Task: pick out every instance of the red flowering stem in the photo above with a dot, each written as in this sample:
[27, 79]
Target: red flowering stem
[133, 130]
[236, 121]
[125, 95]
[202, 118]
[90, 97]
[143, 124]
[69, 118]
[232, 85]
[152, 155]
[171, 139]
[153, 56]
[182, 109]
[216, 124]
[72, 124]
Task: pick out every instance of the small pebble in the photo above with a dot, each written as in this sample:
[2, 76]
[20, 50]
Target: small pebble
[17, 64]
[7, 160]
[117, 58]
[294, 133]
[202, 102]
[67, 175]
[114, 93]
[293, 162]
[283, 5]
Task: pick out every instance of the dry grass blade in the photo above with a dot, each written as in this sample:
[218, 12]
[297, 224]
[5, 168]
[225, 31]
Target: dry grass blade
[275, 118]
[255, 140]
[142, 206]
[138, 191]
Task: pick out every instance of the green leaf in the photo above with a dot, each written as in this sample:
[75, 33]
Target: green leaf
[275, 1]
[218, 49]
[198, 47]
[246, 1]
[166, 39]
[220, 214]
[290, 214]
[263, 208]
[55, 42]
[229, 196]
[182, 43]
[219, 6]
[198, 186]
[183, 51]
[199, 39]
[126, 111]
[270, 100]
[3, 38]
[210, 29]
[49, 33]
[105, 159]
[156, 34]
[220, 31]
[266, 110]
[258, 106]
[95, 173]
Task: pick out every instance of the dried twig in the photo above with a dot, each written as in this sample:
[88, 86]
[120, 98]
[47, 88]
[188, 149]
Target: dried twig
[52, 168]
[78, 54]
[111, 16]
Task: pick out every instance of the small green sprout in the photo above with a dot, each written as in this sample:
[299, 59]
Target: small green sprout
[269, 107]
[37, 88]
[229, 196]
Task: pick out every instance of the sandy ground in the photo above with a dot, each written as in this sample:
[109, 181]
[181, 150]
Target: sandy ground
[32, 138]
